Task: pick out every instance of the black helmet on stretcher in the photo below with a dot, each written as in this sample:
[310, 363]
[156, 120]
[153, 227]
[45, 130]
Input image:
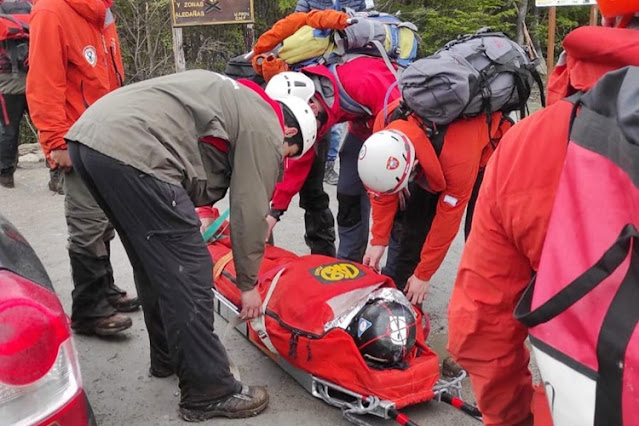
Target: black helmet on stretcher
[384, 331]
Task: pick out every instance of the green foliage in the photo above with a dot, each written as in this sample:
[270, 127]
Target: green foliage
[440, 22]
[568, 18]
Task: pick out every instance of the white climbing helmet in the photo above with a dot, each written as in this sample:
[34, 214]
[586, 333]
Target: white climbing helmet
[305, 119]
[386, 161]
[290, 83]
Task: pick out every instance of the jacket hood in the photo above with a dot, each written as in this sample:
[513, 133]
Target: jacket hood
[615, 95]
[589, 53]
[93, 11]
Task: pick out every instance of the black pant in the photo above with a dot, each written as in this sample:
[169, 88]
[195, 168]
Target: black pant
[173, 271]
[13, 108]
[318, 218]
[411, 227]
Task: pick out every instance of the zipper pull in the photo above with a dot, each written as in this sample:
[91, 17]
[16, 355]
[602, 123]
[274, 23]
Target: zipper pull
[292, 349]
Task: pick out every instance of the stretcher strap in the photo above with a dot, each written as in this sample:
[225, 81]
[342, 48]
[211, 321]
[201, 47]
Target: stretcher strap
[259, 324]
[215, 229]
[221, 263]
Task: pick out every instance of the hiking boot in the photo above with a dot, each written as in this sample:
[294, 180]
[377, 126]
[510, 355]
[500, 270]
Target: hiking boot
[330, 175]
[55, 186]
[107, 326]
[450, 368]
[124, 303]
[7, 181]
[251, 401]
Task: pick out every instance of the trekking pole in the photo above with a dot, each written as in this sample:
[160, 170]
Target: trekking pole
[31, 126]
[458, 403]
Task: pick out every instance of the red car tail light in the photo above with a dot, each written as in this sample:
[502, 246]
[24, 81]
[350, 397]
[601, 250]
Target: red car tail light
[39, 371]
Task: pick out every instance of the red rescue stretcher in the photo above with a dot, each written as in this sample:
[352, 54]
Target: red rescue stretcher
[303, 296]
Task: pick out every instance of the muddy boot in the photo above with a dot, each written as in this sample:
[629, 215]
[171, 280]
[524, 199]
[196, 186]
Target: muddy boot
[249, 402]
[330, 175]
[108, 326]
[450, 368]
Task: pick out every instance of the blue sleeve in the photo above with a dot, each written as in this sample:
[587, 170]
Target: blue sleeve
[302, 6]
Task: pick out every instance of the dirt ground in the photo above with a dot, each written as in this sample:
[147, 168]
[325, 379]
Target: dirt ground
[115, 372]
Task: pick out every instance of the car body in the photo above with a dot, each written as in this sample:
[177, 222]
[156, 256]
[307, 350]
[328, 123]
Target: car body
[40, 381]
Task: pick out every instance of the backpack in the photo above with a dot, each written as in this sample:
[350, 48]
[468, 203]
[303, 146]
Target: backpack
[582, 306]
[14, 36]
[372, 33]
[474, 74]
[240, 67]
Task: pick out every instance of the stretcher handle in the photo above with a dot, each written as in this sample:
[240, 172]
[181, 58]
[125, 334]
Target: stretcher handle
[458, 403]
[401, 418]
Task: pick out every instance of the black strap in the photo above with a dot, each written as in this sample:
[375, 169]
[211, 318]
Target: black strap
[617, 329]
[437, 138]
[584, 284]
[540, 84]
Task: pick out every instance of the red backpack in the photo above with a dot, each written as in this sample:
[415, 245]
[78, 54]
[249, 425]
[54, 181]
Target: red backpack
[14, 36]
[583, 305]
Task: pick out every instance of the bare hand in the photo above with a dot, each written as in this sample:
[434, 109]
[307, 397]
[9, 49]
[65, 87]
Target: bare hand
[271, 224]
[404, 195]
[373, 256]
[61, 158]
[251, 304]
[416, 290]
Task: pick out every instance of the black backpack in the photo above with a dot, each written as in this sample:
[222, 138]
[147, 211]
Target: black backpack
[239, 67]
[14, 36]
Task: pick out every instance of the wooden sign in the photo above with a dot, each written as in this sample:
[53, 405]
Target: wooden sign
[211, 12]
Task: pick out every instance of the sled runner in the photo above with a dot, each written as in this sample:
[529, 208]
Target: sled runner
[309, 301]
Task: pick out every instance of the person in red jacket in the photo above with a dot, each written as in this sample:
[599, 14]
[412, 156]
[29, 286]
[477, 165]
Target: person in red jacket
[358, 98]
[74, 60]
[433, 202]
[511, 220]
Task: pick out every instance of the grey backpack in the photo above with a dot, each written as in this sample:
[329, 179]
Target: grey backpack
[474, 74]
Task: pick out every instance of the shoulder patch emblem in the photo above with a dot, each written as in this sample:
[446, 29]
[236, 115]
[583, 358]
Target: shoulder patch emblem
[90, 55]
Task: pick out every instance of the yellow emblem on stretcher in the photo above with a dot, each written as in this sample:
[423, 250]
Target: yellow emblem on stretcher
[338, 271]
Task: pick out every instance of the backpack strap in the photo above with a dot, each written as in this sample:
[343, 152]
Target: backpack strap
[347, 103]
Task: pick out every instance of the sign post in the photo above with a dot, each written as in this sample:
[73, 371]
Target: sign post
[552, 22]
[189, 13]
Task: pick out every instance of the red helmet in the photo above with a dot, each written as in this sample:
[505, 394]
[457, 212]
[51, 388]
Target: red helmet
[612, 8]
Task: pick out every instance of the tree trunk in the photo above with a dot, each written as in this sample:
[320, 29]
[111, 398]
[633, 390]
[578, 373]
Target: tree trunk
[534, 34]
[522, 11]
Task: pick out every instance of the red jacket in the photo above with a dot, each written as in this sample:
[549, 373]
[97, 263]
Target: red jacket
[74, 59]
[367, 81]
[509, 228]
[466, 149]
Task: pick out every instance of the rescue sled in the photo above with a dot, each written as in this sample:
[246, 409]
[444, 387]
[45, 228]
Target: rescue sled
[305, 299]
